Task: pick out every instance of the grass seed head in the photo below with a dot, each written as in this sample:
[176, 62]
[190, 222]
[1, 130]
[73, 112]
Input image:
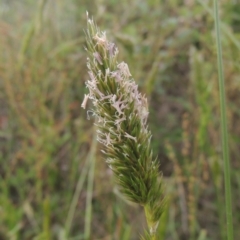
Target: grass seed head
[121, 113]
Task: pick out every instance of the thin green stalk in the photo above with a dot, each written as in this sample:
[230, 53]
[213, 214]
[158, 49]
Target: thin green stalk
[75, 198]
[78, 190]
[224, 130]
[88, 214]
[223, 26]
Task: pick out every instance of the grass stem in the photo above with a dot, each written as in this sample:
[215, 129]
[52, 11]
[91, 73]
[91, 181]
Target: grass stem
[88, 167]
[75, 198]
[88, 214]
[224, 130]
[151, 225]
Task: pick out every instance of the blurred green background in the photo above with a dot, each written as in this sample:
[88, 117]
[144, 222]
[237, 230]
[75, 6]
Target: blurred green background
[54, 183]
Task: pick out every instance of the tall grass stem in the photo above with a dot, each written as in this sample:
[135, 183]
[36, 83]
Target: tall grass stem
[88, 214]
[224, 130]
[76, 195]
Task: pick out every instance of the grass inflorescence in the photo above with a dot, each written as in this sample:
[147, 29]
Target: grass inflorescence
[53, 182]
[121, 114]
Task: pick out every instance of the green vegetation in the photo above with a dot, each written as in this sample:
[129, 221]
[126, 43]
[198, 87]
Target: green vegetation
[54, 182]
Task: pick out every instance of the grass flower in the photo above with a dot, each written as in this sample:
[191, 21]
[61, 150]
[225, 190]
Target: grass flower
[121, 113]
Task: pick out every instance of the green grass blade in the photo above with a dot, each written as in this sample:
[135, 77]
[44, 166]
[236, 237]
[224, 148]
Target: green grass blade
[224, 130]
[88, 213]
[75, 198]
[87, 169]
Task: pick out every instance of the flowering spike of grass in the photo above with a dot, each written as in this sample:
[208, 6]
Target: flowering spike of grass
[121, 114]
